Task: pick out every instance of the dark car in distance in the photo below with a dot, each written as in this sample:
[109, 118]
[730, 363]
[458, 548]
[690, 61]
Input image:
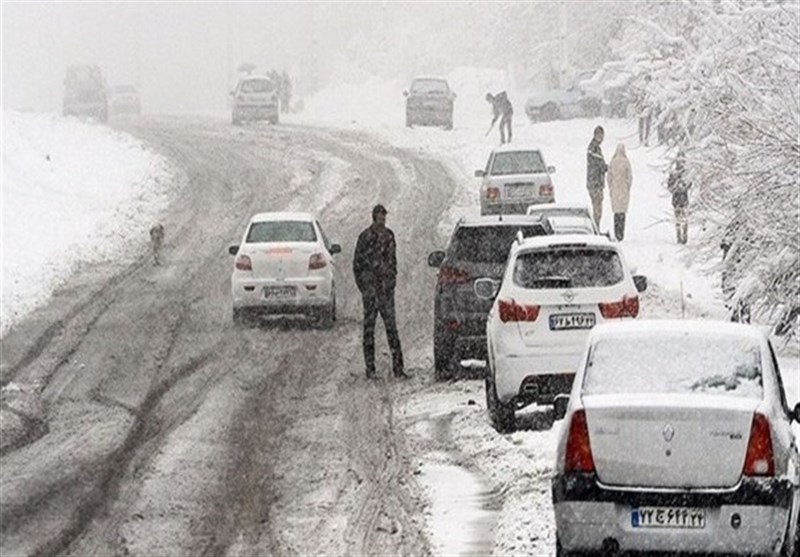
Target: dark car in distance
[429, 102]
[478, 248]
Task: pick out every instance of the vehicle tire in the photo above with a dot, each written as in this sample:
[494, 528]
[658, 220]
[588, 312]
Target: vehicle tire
[559, 550]
[550, 112]
[501, 415]
[328, 315]
[442, 358]
[240, 317]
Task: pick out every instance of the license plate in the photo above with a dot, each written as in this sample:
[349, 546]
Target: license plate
[519, 191]
[566, 321]
[668, 517]
[275, 292]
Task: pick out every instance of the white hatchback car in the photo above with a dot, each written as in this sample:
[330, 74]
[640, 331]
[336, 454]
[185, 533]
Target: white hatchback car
[284, 265]
[678, 438]
[514, 178]
[554, 290]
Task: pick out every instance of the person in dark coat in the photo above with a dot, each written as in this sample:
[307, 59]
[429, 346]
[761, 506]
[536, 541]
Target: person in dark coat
[501, 107]
[375, 271]
[679, 186]
[596, 169]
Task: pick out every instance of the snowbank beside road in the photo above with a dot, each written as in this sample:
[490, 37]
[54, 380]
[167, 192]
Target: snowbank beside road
[72, 193]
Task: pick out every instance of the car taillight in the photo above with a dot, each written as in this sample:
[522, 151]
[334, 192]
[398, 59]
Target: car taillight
[578, 457]
[627, 307]
[759, 460]
[492, 193]
[243, 263]
[316, 261]
[546, 190]
[453, 275]
[510, 310]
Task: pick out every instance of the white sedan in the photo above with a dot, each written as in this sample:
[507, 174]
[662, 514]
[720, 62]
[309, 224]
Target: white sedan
[554, 290]
[284, 265]
[678, 438]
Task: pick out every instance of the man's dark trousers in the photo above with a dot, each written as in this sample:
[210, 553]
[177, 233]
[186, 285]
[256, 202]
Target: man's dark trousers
[381, 302]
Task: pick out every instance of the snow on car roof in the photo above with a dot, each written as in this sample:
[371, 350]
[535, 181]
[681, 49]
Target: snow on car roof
[508, 148]
[511, 220]
[566, 239]
[657, 326]
[544, 207]
[261, 217]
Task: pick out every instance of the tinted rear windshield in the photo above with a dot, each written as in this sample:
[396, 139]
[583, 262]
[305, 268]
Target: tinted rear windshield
[517, 162]
[675, 363]
[281, 231]
[257, 86]
[490, 244]
[568, 268]
[423, 86]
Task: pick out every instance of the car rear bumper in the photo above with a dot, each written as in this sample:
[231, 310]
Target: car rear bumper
[310, 292]
[749, 519]
[255, 112]
[536, 377]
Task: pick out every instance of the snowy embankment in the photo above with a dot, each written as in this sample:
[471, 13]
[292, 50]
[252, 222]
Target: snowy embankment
[519, 466]
[73, 193]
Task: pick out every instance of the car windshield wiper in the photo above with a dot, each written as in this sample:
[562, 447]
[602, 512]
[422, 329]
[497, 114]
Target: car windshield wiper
[552, 282]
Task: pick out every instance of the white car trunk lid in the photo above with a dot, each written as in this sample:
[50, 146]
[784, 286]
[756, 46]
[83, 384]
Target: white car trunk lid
[280, 261]
[669, 441]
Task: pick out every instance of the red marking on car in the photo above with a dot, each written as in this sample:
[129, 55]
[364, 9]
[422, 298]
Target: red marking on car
[578, 456]
[244, 263]
[316, 261]
[492, 193]
[453, 275]
[546, 190]
[511, 311]
[627, 307]
[759, 460]
[278, 251]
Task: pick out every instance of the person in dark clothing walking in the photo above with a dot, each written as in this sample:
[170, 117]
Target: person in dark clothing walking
[501, 107]
[596, 169]
[375, 271]
[679, 186]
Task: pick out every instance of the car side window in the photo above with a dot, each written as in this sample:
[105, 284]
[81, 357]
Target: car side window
[781, 391]
[488, 164]
[324, 237]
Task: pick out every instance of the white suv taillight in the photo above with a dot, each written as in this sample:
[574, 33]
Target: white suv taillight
[627, 307]
[509, 310]
[243, 263]
[578, 457]
[759, 460]
[316, 261]
[546, 190]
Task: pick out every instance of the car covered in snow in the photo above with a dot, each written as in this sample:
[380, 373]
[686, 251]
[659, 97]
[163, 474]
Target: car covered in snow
[612, 84]
[566, 218]
[554, 290]
[255, 98]
[125, 100]
[677, 438]
[429, 102]
[478, 247]
[514, 178]
[564, 104]
[284, 265]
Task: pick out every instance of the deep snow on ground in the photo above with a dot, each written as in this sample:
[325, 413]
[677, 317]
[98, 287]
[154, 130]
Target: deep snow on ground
[73, 193]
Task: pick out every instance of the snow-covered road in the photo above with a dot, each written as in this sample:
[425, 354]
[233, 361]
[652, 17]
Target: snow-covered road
[146, 409]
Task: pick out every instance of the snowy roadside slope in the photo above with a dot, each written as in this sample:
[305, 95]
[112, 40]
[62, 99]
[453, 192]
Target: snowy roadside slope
[72, 193]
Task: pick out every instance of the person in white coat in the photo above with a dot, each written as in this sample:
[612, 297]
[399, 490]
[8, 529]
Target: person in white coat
[619, 179]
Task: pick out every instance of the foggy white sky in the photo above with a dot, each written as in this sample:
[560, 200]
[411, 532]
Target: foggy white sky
[177, 53]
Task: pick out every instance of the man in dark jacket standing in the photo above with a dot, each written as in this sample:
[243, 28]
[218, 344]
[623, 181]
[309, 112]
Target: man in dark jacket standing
[501, 107]
[596, 169]
[375, 271]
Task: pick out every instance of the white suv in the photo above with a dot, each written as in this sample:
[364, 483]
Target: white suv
[284, 265]
[554, 290]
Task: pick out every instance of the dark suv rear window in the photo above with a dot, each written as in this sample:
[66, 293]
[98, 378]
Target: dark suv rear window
[568, 268]
[490, 244]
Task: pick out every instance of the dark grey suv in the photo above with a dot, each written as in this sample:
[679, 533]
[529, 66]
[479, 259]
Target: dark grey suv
[478, 248]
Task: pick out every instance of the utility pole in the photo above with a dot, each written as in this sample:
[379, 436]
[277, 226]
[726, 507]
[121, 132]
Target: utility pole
[562, 63]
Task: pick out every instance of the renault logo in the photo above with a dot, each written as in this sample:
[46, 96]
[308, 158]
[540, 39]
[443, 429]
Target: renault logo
[668, 432]
[568, 296]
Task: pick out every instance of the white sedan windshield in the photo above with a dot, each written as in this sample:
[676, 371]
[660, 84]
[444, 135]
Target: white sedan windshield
[675, 363]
